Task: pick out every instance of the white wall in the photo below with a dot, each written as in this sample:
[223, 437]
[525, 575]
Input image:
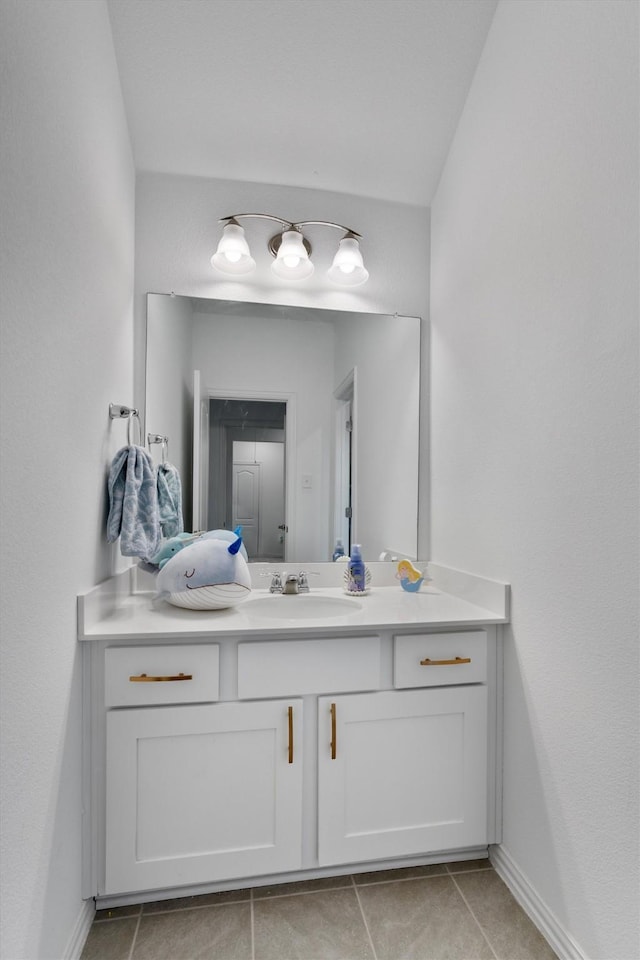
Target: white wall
[177, 231]
[67, 286]
[534, 316]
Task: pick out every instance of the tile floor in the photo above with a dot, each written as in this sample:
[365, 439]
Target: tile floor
[456, 911]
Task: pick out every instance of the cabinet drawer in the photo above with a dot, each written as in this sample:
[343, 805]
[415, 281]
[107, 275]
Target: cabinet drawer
[185, 673]
[440, 659]
[295, 667]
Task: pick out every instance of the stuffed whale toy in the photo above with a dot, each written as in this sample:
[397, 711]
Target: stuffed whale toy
[170, 547]
[173, 545]
[208, 574]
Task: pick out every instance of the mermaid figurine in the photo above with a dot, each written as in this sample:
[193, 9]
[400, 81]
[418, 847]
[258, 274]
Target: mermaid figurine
[410, 578]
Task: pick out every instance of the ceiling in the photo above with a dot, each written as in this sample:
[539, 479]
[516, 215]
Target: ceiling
[354, 96]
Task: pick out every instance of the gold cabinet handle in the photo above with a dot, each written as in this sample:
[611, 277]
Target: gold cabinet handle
[143, 678]
[441, 663]
[334, 741]
[290, 734]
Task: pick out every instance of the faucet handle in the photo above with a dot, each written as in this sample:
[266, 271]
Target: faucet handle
[303, 583]
[276, 581]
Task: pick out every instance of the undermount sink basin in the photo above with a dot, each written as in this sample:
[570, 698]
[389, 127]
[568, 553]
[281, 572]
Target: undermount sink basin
[301, 606]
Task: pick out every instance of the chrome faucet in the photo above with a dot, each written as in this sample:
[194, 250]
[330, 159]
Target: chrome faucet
[299, 583]
[289, 583]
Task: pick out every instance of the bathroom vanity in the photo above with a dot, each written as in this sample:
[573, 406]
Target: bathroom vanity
[289, 737]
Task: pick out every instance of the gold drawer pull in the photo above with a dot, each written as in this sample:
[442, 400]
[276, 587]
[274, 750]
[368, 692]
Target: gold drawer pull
[334, 741]
[290, 734]
[441, 663]
[143, 678]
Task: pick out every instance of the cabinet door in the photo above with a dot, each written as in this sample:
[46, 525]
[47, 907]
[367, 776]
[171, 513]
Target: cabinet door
[202, 793]
[402, 773]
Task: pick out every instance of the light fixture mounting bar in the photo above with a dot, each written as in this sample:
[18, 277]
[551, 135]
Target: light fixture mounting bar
[256, 216]
[328, 223]
[296, 224]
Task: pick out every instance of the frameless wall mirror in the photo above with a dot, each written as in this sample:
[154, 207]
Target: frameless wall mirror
[300, 424]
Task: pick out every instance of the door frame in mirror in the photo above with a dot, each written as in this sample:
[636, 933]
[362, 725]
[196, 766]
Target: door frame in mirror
[346, 392]
[290, 458]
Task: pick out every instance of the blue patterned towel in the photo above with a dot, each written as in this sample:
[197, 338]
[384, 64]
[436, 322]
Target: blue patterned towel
[133, 503]
[169, 500]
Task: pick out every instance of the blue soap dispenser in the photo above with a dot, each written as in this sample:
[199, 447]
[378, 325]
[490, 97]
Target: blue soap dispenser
[357, 581]
[339, 549]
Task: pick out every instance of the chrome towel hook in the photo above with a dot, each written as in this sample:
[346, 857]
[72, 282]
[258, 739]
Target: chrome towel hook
[157, 438]
[120, 411]
[134, 415]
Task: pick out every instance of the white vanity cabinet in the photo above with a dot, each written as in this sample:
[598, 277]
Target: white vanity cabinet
[201, 793]
[195, 790]
[227, 760]
[405, 771]
[402, 773]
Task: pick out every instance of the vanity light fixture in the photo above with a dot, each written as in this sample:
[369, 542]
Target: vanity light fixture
[291, 250]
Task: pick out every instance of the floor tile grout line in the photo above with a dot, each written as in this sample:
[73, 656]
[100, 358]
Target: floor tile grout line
[346, 886]
[303, 893]
[364, 919]
[377, 883]
[480, 927]
[135, 935]
[418, 876]
[252, 925]
[193, 906]
[127, 916]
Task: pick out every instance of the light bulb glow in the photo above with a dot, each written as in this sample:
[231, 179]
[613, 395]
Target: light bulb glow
[233, 256]
[292, 260]
[348, 268]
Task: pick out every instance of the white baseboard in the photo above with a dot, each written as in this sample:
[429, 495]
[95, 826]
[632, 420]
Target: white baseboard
[80, 931]
[534, 906]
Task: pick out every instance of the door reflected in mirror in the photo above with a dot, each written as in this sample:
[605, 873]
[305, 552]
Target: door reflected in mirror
[301, 425]
[246, 473]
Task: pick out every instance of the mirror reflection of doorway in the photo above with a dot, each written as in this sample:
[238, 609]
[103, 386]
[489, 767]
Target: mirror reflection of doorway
[345, 426]
[247, 473]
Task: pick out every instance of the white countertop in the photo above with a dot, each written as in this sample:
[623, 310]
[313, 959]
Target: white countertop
[139, 616]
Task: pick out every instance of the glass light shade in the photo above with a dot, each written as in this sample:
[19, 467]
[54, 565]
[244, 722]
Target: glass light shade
[233, 256]
[348, 268]
[292, 261]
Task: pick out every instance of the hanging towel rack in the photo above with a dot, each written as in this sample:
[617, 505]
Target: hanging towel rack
[119, 410]
[122, 412]
[157, 438]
